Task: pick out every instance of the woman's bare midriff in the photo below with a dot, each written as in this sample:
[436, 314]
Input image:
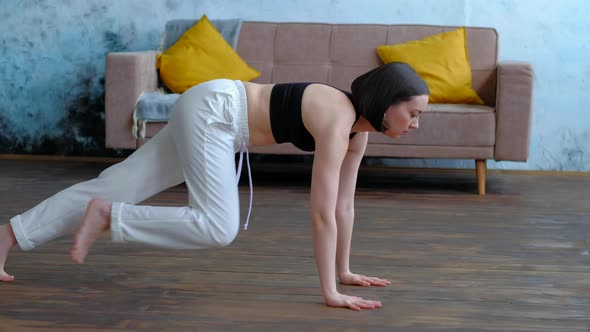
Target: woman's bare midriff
[258, 96]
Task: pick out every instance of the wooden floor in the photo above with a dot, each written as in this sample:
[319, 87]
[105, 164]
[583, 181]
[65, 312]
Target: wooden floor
[516, 259]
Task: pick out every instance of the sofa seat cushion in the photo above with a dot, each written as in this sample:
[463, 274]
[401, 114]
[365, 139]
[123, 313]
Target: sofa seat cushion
[449, 125]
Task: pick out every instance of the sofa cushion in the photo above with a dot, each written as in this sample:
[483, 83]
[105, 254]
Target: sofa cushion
[442, 61]
[201, 54]
[449, 125]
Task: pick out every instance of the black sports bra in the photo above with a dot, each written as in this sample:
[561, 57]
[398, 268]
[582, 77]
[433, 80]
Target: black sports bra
[285, 115]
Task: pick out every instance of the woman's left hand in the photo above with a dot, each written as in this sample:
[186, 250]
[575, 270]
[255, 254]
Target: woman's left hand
[361, 280]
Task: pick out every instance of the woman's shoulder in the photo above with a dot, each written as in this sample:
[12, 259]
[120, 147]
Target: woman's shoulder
[327, 109]
[329, 95]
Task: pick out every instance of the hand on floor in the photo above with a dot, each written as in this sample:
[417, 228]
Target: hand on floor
[361, 280]
[351, 302]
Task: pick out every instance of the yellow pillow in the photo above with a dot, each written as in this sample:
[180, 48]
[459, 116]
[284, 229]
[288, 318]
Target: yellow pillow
[442, 61]
[201, 54]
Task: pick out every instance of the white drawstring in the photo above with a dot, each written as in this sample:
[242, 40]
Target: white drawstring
[239, 173]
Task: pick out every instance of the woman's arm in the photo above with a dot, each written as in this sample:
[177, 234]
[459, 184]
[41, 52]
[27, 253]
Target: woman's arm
[330, 152]
[330, 128]
[345, 213]
[345, 203]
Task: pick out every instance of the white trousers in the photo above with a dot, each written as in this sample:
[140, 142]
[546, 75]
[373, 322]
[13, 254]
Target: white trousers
[208, 125]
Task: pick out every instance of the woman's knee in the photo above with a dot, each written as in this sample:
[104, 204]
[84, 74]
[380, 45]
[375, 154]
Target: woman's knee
[224, 231]
[223, 238]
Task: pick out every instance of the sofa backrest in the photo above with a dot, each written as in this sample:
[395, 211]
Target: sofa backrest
[337, 53]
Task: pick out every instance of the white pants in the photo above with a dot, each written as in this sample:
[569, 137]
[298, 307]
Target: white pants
[208, 125]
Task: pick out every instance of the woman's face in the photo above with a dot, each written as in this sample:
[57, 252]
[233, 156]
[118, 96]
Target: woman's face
[400, 119]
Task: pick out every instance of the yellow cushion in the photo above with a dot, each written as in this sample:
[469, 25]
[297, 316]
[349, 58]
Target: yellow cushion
[201, 54]
[442, 61]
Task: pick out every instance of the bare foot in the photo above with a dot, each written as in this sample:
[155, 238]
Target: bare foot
[96, 220]
[7, 241]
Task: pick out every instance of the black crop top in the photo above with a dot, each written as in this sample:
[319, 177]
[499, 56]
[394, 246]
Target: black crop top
[286, 121]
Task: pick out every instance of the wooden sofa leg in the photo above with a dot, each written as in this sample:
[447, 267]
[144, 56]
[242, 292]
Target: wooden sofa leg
[480, 171]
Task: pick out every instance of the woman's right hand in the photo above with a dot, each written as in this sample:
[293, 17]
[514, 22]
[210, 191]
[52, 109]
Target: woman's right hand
[351, 302]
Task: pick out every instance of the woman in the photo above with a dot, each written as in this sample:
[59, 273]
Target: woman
[208, 124]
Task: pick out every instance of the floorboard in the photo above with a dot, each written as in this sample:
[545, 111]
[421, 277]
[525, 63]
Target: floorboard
[516, 259]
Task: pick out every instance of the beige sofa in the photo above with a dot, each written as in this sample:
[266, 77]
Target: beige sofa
[336, 54]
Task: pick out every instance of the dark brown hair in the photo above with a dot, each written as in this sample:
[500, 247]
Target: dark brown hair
[392, 83]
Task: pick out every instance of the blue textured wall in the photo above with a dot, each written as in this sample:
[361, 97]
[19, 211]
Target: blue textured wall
[52, 57]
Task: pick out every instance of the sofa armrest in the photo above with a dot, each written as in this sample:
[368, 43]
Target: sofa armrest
[513, 111]
[128, 74]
